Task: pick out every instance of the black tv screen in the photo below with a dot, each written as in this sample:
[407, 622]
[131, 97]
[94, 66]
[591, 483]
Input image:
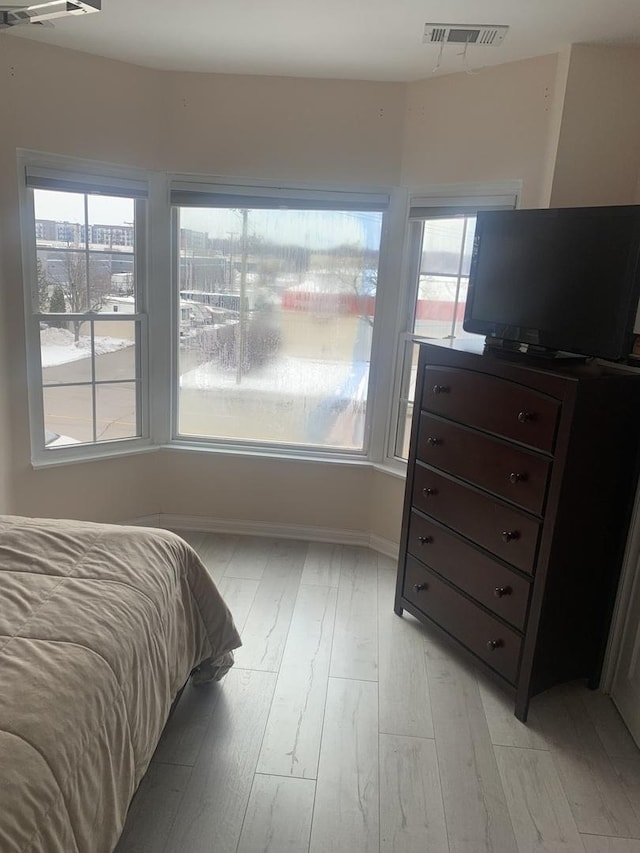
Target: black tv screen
[564, 279]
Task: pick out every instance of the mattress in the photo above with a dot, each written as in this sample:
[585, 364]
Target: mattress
[100, 627]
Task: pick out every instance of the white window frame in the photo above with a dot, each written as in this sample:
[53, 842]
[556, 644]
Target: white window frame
[419, 203]
[157, 257]
[83, 175]
[244, 193]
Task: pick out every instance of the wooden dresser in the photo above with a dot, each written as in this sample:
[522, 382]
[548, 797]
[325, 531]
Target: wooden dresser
[520, 485]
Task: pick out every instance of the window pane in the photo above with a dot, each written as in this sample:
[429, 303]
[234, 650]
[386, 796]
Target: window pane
[445, 259]
[85, 250]
[115, 350]
[111, 223]
[68, 415]
[59, 218]
[65, 351]
[276, 315]
[116, 411]
[447, 245]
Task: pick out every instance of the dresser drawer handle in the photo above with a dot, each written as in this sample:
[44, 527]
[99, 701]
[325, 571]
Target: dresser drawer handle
[420, 587]
[441, 389]
[429, 492]
[501, 591]
[514, 478]
[509, 535]
[425, 540]
[525, 417]
[432, 441]
[492, 645]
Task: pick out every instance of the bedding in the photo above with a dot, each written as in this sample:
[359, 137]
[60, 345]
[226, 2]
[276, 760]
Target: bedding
[100, 627]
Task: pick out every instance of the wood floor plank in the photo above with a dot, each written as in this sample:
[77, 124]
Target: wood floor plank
[628, 774]
[355, 644]
[291, 743]
[267, 625]
[602, 844]
[154, 809]
[598, 800]
[405, 705]
[239, 594]
[475, 805]
[615, 736]
[322, 566]
[345, 816]
[216, 551]
[184, 733]
[216, 795]
[411, 810]
[278, 818]
[250, 557]
[540, 813]
[505, 729]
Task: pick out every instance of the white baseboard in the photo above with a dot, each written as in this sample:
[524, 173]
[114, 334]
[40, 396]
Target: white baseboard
[242, 527]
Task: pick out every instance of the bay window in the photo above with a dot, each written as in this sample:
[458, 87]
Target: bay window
[283, 320]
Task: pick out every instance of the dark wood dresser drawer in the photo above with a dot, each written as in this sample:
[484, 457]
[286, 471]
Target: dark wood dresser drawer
[493, 404]
[476, 573]
[504, 469]
[487, 637]
[505, 531]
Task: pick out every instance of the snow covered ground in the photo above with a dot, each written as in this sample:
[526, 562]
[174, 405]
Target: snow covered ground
[57, 346]
[287, 376]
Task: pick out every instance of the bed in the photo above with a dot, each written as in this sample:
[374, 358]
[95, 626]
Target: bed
[100, 627]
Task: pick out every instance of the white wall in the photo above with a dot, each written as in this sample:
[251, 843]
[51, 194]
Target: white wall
[598, 156]
[488, 126]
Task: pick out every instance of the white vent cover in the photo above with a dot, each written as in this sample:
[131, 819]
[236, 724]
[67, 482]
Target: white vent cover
[485, 35]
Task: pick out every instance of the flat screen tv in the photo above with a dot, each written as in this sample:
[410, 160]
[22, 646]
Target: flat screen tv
[549, 280]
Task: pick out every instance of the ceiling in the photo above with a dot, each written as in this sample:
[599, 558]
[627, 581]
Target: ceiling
[347, 39]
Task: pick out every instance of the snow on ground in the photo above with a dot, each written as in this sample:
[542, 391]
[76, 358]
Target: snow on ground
[287, 376]
[58, 346]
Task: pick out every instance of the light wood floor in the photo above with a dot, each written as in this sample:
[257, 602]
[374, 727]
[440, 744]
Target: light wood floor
[345, 728]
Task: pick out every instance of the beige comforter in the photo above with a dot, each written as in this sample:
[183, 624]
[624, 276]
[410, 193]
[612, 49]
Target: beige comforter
[100, 626]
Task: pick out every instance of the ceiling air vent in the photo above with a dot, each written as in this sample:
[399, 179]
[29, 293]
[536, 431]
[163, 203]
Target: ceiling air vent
[486, 35]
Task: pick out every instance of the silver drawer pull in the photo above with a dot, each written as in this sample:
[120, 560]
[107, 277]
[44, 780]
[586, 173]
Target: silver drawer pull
[441, 389]
[432, 441]
[420, 587]
[425, 540]
[514, 478]
[429, 492]
[492, 645]
[525, 417]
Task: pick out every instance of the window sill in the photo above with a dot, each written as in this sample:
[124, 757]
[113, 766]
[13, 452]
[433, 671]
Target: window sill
[68, 457]
[283, 454]
[55, 458]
